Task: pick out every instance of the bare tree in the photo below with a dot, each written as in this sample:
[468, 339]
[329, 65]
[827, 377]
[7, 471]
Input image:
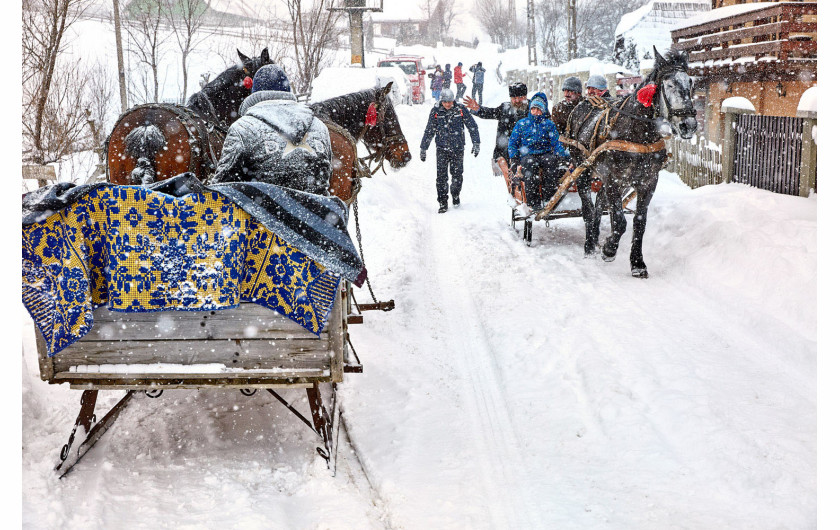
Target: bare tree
[494, 19]
[44, 24]
[147, 30]
[314, 34]
[552, 34]
[188, 18]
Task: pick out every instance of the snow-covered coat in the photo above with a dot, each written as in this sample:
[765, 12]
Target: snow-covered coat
[478, 74]
[437, 81]
[447, 128]
[458, 75]
[507, 115]
[278, 141]
[535, 135]
[447, 78]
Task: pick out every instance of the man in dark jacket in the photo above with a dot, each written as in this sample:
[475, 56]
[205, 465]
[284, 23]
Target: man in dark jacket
[447, 77]
[446, 125]
[478, 81]
[276, 140]
[572, 89]
[536, 145]
[508, 113]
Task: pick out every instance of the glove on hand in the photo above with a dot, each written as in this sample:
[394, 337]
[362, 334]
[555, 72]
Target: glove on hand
[475, 149]
[422, 155]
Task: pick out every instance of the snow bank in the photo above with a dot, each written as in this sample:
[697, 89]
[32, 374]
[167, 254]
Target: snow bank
[337, 81]
[808, 101]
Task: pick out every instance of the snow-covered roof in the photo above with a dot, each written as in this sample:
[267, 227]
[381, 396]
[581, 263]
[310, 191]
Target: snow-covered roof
[651, 24]
[808, 101]
[737, 102]
[723, 12]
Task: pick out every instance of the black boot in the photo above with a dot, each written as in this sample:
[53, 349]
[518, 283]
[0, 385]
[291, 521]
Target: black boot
[443, 207]
[456, 200]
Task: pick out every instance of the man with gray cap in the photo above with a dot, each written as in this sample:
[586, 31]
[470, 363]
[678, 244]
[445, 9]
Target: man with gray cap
[446, 125]
[508, 113]
[572, 88]
[276, 140]
[596, 85]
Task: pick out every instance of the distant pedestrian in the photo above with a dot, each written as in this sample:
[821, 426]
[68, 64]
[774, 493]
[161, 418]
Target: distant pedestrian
[447, 120]
[478, 81]
[458, 77]
[447, 77]
[437, 82]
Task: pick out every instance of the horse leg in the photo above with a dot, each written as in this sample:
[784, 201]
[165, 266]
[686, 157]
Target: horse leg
[637, 263]
[591, 217]
[617, 222]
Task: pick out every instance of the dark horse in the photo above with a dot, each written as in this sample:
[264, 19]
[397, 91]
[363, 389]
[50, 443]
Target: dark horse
[367, 116]
[155, 141]
[636, 151]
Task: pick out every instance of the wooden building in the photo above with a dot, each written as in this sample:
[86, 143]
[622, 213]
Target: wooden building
[765, 52]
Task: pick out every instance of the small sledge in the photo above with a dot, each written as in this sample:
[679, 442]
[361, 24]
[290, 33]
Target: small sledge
[559, 206]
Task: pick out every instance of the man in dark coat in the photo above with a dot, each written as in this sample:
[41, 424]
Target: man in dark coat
[535, 144]
[276, 140]
[572, 89]
[447, 77]
[478, 81]
[508, 113]
[446, 125]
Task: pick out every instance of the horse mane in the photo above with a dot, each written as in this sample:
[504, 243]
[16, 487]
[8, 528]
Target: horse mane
[673, 59]
[347, 110]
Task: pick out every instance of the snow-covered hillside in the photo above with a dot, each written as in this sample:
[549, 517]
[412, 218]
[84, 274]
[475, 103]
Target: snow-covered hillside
[512, 386]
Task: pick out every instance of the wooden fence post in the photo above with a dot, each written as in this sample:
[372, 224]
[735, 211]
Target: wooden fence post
[808, 170]
[729, 137]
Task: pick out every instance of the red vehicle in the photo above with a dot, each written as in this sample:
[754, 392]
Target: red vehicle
[413, 68]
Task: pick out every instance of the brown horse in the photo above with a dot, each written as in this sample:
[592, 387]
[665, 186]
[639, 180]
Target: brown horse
[155, 141]
[367, 116]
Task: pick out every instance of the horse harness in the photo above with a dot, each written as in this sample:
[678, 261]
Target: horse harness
[372, 119]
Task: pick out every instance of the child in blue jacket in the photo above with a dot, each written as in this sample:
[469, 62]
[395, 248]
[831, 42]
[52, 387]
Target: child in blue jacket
[535, 144]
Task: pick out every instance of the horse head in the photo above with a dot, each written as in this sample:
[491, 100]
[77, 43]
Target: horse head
[384, 132]
[674, 88]
[229, 89]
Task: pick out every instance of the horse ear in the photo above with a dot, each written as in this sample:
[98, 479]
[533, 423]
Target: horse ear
[242, 56]
[264, 56]
[657, 56]
[387, 88]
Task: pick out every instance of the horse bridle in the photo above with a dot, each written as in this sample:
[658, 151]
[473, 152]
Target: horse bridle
[378, 155]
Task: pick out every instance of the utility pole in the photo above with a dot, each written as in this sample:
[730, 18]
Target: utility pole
[571, 12]
[120, 67]
[532, 35]
[356, 10]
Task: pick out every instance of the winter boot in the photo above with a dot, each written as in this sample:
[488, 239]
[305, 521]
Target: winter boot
[456, 200]
[443, 207]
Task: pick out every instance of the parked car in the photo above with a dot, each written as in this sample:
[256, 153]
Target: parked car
[413, 68]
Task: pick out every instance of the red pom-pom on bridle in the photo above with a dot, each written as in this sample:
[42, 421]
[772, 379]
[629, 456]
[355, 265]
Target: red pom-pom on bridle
[248, 82]
[370, 117]
[645, 95]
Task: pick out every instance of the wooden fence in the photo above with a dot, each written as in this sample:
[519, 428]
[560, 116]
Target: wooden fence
[698, 162]
[768, 152]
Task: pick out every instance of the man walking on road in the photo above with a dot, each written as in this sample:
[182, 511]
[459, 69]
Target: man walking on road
[458, 77]
[446, 125]
[478, 81]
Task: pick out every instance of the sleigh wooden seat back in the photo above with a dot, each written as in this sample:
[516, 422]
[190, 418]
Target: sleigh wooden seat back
[245, 347]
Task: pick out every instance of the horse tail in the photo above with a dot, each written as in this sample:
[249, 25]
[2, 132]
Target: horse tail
[142, 143]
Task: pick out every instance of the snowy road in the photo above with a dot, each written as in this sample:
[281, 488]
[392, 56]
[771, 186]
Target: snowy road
[512, 387]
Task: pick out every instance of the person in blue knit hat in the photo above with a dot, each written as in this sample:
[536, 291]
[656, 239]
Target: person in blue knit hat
[535, 145]
[276, 139]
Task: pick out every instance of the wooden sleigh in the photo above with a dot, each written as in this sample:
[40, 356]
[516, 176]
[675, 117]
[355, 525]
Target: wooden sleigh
[245, 348]
[555, 207]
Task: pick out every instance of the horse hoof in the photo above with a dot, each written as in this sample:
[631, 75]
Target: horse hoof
[640, 273]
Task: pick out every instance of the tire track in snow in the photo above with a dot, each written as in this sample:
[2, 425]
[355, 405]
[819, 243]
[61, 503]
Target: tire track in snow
[504, 473]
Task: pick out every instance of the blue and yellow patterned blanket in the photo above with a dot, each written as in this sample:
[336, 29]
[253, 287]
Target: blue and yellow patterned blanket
[138, 249]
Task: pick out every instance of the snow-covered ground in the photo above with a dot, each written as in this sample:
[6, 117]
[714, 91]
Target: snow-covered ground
[512, 386]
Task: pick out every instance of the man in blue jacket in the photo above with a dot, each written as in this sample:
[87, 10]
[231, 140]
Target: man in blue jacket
[535, 144]
[446, 125]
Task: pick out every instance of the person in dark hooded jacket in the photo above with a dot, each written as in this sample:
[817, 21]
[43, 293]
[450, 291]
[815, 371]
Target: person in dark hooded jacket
[276, 139]
[446, 125]
[447, 77]
[535, 145]
[508, 113]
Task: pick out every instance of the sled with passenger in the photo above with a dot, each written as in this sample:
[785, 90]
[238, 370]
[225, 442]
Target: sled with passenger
[151, 282]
